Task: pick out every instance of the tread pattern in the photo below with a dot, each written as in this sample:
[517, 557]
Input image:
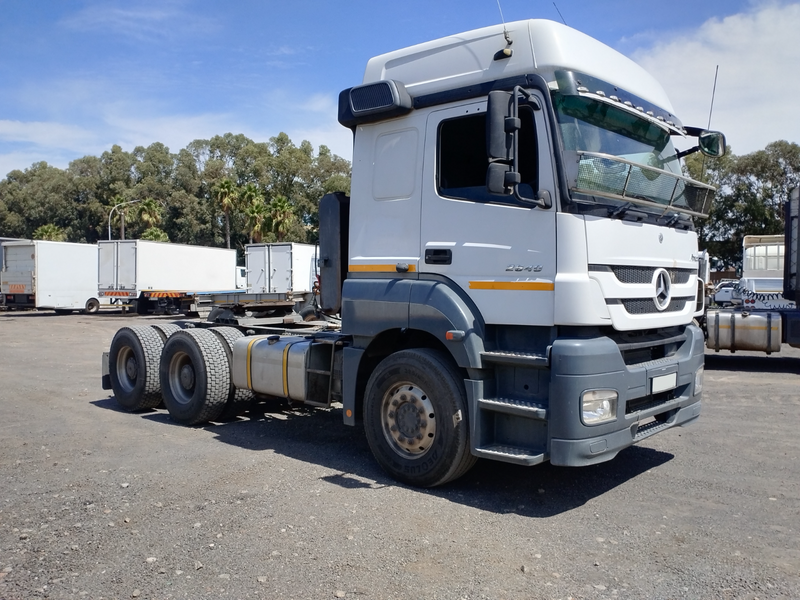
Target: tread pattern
[152, 345]
[218, 378]
[166, 329]
[239, 400]
[468, 460]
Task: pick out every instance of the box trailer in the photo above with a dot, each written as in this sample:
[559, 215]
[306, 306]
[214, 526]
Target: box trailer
[60, 276]
[162, 277]
[281, 267]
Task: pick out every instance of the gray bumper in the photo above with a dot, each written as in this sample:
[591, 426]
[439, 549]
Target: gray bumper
[578, 365]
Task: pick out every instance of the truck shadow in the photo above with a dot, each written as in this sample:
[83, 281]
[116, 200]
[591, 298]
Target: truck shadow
[318, 436]
[754, 364]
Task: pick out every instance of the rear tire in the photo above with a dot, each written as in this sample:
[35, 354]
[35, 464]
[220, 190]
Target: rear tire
[416, 418]
[165, 330]
[92, 306]
[133, 361]
[239, 400]
[195, 378]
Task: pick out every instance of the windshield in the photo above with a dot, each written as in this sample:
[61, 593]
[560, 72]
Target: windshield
[638, 162]
[595, 126]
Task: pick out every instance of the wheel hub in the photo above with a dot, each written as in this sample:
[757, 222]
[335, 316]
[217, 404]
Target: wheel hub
[131, 368]
[408, 420]
[187, 377]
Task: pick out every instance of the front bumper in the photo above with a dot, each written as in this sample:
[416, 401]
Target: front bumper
[580, 364]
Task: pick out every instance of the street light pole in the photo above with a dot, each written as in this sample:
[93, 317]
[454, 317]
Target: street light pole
[121, 216]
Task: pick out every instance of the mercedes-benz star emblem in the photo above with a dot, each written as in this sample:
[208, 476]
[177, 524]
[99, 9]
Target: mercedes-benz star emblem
[663, 285]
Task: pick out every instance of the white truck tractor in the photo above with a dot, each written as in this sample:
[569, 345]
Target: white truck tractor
[514, 274]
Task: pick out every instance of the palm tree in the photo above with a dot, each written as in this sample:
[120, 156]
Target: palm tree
[255, 210]
[226, 195]
[154, 234]
[281, 215]
[51, 232]
[149, 213]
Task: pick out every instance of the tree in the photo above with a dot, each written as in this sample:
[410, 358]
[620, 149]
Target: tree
[752, 191]
[51, 232]
[255, 210]
[281, 216]
[149, 212]
[154, 234]
[226, 196]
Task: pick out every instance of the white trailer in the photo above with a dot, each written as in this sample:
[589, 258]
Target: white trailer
[60, 276]
[281, 267]
[162, 277]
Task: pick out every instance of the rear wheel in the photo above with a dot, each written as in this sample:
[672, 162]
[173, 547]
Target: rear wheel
[415, 418]
[195, 378]
[92, 306]
[133, 361]
[239, 400]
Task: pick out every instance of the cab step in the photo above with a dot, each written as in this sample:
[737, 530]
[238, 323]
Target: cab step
[510, 454]
[514, 406]
[516, 358]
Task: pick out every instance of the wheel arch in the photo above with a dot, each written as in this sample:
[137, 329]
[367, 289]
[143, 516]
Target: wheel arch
[385, 317]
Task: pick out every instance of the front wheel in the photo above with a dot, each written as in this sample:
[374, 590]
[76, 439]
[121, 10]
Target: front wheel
[415, 418]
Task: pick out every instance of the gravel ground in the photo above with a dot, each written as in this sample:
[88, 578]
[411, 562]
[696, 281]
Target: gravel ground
[99, 503]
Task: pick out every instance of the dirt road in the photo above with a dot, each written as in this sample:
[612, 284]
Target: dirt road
[99, 503]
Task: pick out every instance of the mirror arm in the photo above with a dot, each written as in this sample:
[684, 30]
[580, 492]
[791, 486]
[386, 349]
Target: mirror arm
[683, 153]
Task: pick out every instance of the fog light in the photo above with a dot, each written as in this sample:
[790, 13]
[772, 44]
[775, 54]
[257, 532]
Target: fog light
[698, 380]
[599, 406]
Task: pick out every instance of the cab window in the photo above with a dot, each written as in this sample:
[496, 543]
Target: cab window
[462, 159]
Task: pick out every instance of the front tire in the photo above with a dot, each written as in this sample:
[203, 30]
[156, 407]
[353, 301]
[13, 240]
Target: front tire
[415, 418]
[195, 379]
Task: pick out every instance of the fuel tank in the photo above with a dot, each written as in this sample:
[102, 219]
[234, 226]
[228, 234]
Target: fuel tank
[740, 330]
[272, 365]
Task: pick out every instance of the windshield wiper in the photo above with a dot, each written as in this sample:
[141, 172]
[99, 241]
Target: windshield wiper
[625, 210]
[676, 217]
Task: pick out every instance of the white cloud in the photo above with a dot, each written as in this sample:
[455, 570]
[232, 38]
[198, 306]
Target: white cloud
[757, 90]
[160, 20]
[54, 135]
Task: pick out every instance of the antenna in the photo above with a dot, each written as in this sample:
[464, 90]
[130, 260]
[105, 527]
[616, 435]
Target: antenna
[713, 93]
[559, 13]
[509, 41]
[710, 111]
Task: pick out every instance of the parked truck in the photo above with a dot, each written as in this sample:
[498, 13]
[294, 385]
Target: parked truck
[45, 275]
[764, 313]
[162, 277]
[515, 271]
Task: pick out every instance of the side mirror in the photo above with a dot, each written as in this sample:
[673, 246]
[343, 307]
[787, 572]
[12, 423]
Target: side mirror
[712, 143]
[500, 118]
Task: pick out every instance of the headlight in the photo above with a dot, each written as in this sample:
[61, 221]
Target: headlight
[599, 406]
[698, 380]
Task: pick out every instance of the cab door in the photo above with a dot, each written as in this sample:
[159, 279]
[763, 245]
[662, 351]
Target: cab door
[498, 249]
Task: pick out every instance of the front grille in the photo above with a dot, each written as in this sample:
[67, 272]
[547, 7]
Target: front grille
[640, 275]
[646, 306]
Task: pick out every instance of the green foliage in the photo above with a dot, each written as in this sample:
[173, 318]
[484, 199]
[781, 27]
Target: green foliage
[154, 234]
[752, 191]
[50, 232]
[216, 192]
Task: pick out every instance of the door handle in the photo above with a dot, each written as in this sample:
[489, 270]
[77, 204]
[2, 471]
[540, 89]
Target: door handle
[438, 256]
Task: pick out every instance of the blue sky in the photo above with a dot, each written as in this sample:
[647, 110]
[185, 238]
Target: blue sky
[79, 76]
